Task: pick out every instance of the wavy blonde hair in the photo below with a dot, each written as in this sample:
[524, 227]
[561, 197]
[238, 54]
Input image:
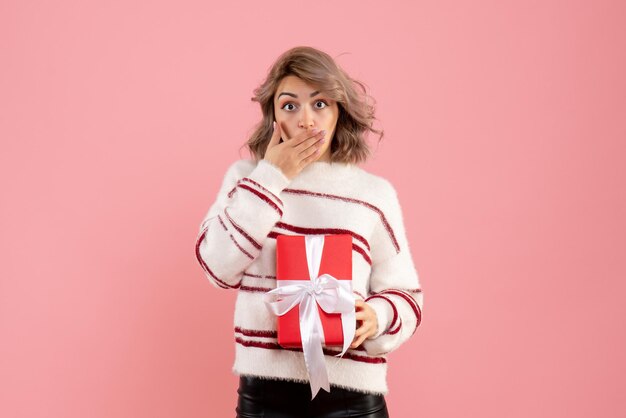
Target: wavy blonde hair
[356, 114]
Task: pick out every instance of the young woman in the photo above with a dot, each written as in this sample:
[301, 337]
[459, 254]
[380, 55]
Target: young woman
[304, 180]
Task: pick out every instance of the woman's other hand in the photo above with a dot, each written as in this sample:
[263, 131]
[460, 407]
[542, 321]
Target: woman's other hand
[365, 315]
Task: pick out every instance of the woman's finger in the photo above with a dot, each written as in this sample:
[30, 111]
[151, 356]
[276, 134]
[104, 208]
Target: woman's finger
[358, 342]
[275, 139]
[306, 139]
[359, 331]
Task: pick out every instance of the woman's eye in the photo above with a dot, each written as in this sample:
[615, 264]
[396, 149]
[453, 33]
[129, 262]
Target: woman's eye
[321, 101]
[316, 105]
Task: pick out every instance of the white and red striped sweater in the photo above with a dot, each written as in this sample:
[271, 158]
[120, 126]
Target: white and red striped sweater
[236, 247]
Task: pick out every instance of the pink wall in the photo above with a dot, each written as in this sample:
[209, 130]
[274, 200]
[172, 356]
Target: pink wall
[505, 126]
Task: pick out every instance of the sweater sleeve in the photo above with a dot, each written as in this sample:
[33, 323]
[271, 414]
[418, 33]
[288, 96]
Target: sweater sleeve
[395, 293]
[233, 230]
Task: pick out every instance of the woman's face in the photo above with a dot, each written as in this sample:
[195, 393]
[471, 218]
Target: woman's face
[299, 107]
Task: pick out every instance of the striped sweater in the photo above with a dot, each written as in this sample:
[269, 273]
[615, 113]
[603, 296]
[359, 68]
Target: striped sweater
[236, 248]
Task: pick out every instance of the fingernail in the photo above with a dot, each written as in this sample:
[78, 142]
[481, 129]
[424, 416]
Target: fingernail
[274, 125]
[324, 132]
[315, 130]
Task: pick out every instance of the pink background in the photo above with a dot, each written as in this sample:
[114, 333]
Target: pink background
[505, 125]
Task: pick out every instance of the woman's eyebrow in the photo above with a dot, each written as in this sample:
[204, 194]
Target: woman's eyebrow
[295, 95]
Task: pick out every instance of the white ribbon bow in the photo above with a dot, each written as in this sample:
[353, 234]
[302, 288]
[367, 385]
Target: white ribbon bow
[333, 296]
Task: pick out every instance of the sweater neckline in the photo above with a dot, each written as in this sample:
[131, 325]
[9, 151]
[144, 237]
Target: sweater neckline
[327, 169]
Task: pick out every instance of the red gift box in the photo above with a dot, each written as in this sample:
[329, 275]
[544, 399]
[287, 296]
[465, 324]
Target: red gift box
[291, 264]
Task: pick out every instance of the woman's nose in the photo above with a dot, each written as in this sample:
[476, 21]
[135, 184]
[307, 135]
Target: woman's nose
[307, 119]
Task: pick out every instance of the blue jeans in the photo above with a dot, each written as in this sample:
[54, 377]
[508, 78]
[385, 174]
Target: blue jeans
[267, 398]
